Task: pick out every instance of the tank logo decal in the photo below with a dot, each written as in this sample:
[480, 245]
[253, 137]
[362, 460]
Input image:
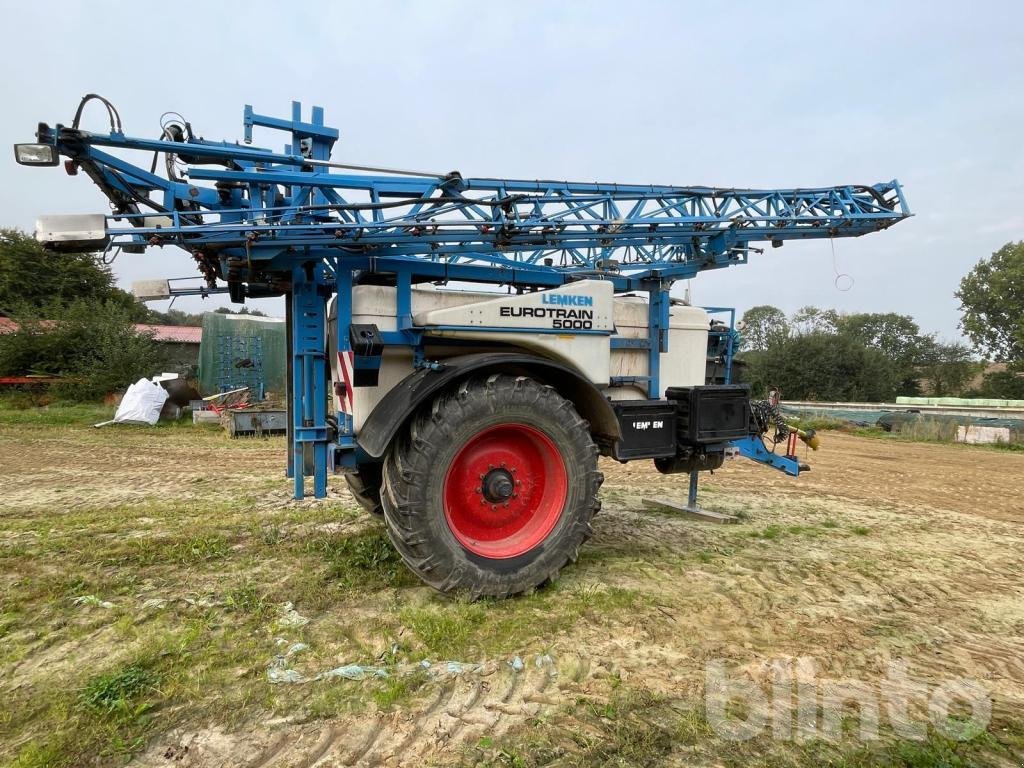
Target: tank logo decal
[564, 299]
[578, 319]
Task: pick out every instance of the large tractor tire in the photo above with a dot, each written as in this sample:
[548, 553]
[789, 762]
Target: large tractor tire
[490, 490]
[365, 488]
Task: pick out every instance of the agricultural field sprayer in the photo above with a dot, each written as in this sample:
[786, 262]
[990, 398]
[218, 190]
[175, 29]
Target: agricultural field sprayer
[462, 349]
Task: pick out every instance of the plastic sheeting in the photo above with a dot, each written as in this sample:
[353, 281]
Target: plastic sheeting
[961, 402]
[243, 351]
[897, 421]
[856, 417]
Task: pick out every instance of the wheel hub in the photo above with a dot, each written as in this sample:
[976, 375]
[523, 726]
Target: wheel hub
[505, 490]
[498, 486]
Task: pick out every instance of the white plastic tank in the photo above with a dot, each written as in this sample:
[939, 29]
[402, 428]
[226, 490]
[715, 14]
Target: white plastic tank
[684, 364]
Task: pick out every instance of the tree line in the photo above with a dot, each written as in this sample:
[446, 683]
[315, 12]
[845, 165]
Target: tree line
[74, 323]
[826, 355]
[821, 354]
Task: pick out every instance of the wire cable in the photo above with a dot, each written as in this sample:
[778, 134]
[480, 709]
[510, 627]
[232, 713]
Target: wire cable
[841, 279]
[107, 258]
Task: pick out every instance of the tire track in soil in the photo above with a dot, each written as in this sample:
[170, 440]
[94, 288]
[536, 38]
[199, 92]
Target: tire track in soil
[327, 740]
[459, 713]
[928, 593]
[276, 747]
[481, 706]
[380, 752]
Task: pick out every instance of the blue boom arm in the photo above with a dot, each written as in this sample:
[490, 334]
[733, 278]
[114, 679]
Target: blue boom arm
[235, 202]
[295, 222]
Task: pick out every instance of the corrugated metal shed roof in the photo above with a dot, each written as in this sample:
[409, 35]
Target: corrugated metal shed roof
[182, 334]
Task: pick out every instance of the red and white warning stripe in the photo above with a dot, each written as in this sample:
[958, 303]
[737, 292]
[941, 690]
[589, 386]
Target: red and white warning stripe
[345, 363]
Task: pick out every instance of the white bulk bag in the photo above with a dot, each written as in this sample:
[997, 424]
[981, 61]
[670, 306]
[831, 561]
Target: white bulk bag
[141, 403]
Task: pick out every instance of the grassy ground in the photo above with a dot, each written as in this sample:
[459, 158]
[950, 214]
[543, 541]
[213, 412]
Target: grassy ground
[175, 606]
[634, 726]
[155, 581]
[926, 434]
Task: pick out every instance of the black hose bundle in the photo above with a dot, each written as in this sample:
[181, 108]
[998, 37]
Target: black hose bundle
[767, 416]
[115, 118]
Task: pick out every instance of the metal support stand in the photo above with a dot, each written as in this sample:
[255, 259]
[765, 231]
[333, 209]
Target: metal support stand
[658, 315]
[753, 449]
[289, 397]
[309, 379]
[691, 501]
[343, 349]
[691, 509]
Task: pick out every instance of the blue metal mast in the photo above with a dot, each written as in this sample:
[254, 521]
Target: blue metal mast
[293, 222]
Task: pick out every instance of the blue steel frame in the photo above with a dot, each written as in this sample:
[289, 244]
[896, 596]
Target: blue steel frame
[730, 336]
[752, 447]
[289, 223]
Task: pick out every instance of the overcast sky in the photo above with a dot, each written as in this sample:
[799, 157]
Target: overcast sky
[727, 94]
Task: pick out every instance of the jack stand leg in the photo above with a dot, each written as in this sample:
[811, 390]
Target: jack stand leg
[295, 462]
[691, 503]
[691, 507]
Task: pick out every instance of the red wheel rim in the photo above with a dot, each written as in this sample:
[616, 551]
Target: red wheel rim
[505, 490]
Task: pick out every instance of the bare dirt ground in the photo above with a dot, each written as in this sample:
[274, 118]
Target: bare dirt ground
[147, 573]
[886, 471]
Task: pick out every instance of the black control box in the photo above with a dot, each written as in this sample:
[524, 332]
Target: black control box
[711, 414]
[648, 429]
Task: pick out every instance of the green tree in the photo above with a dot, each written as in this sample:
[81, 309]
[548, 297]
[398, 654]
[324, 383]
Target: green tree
[176, 317]
[1008, 384]
[243, 310]
[947, 368]
[814, 320]
[32, 278]
[93, 347]
[762, 326]
[825, 367]
[992, 300]
[896, 336]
